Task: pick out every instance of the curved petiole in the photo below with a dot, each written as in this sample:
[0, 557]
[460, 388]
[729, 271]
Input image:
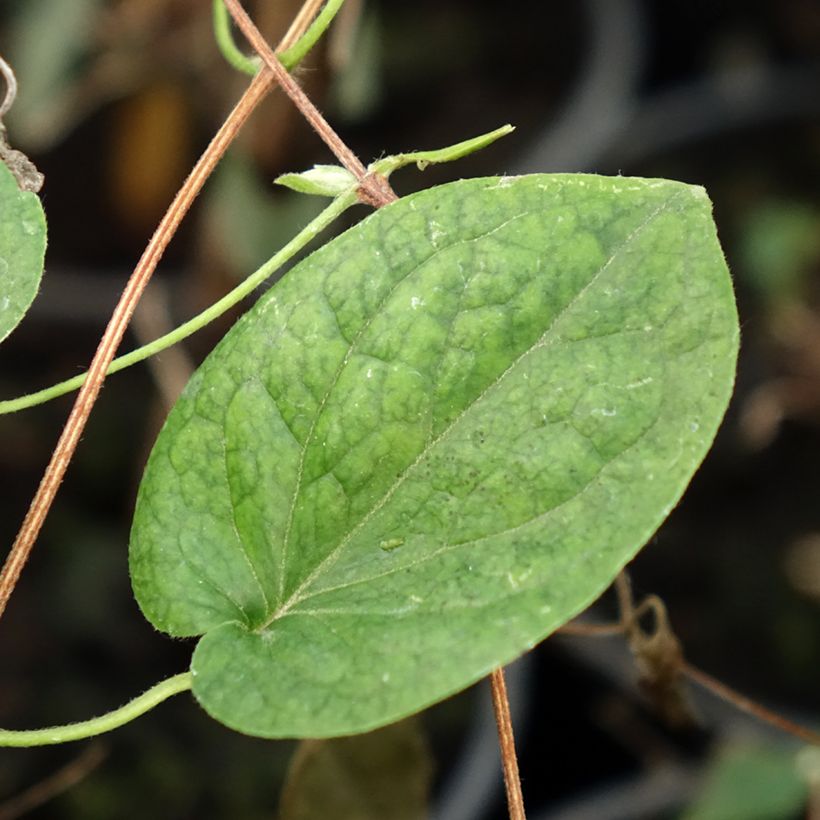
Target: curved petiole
[99, 725]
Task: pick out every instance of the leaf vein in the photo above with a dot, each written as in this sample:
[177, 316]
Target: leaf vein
[332, 556]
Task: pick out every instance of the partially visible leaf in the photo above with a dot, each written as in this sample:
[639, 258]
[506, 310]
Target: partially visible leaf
[22, 250]
[321, 180]
[378, 775]
[432, 443]
[752, 783]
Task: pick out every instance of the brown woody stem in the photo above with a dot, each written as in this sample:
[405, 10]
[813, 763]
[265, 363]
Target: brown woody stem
[627, 619]
[114, 332]
[509, 761]
[374, 189]
[74, 426]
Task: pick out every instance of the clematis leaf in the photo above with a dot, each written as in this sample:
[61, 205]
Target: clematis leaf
[436, 440]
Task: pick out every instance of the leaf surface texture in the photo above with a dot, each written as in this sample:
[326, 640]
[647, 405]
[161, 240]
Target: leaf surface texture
[22, 250]
[432, 443]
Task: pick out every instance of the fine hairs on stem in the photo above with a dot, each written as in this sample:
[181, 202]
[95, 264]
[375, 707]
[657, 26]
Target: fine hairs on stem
[99, 725]
[506, 742]
[373, 188]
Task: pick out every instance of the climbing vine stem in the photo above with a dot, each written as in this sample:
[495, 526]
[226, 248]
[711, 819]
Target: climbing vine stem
[385, 166]
[105, 723]
[373, 187]
[506, 742]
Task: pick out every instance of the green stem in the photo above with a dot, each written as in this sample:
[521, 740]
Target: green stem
[422, 159]
[289, 58]
[296, 53]
[384, 166]
[105, 723]
[309, 232]
[227, 45]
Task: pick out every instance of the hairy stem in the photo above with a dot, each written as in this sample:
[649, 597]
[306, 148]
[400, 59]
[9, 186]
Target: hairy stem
[300, 38]
[67, 443]
[385, 166]
[112, 337]
[105, 723]
[224, 40]
[304, 37]
[374, 189]
[74, 426]
[509, 761]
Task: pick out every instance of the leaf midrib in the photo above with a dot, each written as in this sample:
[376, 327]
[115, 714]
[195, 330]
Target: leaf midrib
[297, 596]
[340, 369]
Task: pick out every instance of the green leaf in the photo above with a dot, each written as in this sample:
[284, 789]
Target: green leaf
[22, 250]
[432, 443]
[752, 783]
[380, 774]
[321, 180]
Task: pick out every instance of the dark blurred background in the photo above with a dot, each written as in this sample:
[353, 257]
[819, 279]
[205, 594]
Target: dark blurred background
[117, 99]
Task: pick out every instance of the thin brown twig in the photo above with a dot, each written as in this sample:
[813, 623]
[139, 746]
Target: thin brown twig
[630, 614]
[509, 761]
[586, 630]
[61, 781]
[748, 705]
[310, 8]
[626, 604]
[373, 188]
[67, 443]
[110, 341]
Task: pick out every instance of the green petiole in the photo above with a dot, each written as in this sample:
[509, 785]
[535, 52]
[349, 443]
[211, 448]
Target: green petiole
[227, 45]
[99, 725]
[309, 232]
[340, 204]
[294, 55]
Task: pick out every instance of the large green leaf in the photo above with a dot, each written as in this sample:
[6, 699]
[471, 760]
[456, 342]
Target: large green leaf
[22, 249]
[432, 443]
